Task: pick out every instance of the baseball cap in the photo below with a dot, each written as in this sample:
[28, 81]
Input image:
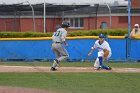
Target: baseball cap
[101, 36]
[136, 25]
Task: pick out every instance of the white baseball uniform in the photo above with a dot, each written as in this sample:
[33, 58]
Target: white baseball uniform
[100, 48]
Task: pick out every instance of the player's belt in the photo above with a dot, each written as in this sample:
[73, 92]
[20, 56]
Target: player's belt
[58, 42]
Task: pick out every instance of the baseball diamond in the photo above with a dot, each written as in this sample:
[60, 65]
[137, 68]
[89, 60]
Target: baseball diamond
[70, 46]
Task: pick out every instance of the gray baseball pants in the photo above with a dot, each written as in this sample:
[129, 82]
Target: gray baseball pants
[60, 52]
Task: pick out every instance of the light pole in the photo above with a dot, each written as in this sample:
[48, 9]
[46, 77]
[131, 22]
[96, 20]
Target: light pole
[109, 14]
[129, 17]
[97, 6]
[44, 17]
[34, 25]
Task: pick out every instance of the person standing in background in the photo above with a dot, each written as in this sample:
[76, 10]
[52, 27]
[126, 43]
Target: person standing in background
[135, 31]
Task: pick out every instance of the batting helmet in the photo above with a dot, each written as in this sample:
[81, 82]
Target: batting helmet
[101, 36]
[65, 24]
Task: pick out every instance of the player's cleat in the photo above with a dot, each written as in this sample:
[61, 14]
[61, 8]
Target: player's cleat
[53, 69]
[109, 68]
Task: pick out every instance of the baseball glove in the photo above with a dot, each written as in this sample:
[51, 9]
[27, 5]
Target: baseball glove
[106, 53]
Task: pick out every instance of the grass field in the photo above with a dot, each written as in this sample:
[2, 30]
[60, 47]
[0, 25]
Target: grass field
[75, 82]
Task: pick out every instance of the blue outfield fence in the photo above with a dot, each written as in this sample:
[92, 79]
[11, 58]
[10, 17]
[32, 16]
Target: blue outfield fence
[135, 49]
[78, 49]
[28, 49]
[118, 47]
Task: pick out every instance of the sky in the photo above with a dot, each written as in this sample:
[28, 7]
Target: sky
[60, 1]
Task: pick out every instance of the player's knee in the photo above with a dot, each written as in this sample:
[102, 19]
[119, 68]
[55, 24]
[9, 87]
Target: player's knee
[66, 56]
[96, 64]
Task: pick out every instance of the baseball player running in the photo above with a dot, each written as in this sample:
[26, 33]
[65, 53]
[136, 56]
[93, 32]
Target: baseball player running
[104, 52]
[59, 38]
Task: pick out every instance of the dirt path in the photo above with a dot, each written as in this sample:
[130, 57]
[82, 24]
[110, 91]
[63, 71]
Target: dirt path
[22, 90]
[64, 69]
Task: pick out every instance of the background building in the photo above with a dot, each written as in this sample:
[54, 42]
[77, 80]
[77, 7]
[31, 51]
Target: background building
[19, 17]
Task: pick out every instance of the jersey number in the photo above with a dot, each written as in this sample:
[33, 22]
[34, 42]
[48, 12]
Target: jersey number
[57, 33]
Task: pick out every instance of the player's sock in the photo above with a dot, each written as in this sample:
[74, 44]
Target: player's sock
[100, 60]
[55, 63]
[101, 64]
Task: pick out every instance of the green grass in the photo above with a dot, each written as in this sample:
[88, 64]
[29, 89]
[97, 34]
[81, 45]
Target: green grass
[75, 82]
[73, 64]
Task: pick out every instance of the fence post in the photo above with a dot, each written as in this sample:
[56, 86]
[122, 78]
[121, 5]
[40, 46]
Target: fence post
[129, 39]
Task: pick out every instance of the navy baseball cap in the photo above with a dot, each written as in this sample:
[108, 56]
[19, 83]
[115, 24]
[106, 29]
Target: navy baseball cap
[101, 36]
